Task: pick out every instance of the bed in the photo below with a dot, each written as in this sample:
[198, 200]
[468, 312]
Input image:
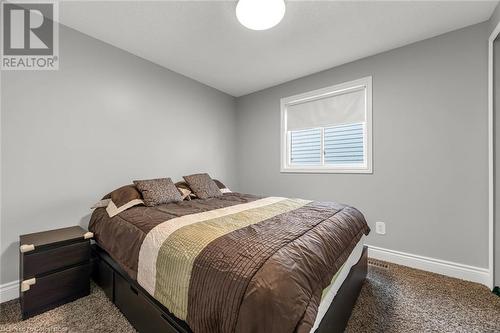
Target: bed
[235, 263]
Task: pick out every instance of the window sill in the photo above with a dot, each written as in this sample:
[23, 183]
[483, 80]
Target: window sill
[327, 170]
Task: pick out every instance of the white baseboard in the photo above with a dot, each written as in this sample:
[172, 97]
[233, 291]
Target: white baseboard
[9, 291]
[448, 268]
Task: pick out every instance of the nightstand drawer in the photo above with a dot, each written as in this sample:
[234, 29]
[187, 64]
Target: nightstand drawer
[55, 289]
[38, 263]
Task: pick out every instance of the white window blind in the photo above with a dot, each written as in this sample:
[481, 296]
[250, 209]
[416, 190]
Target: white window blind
[328, 130]
[344, 144]
[306, 147]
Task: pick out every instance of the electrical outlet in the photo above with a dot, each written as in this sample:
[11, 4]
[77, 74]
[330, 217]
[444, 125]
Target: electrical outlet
[380, 228]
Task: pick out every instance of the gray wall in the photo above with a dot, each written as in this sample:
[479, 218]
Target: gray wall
[430, 182]
[105, 118]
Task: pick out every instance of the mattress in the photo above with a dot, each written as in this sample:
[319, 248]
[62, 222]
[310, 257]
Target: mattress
[330, 292]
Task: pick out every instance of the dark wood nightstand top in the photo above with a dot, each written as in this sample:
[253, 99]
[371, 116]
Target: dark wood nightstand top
[54, 237]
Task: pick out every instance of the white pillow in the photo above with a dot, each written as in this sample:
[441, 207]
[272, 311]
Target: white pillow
[185, 193]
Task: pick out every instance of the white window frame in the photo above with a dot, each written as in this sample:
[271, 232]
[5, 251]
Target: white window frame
[367, 167]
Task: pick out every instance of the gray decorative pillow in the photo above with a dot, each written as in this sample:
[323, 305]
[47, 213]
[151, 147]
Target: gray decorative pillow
[203, 186]
[158, 191]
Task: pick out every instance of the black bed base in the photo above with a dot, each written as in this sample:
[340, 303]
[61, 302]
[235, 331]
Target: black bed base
[147, 315]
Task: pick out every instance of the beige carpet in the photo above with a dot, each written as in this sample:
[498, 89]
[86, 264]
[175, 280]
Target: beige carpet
[94, 313]
[401, 299]
[393, 299]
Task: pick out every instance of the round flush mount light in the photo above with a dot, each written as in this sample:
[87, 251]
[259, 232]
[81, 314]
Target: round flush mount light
[260, 14]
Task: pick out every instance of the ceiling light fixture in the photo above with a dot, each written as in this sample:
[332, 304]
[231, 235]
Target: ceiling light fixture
[260, 14]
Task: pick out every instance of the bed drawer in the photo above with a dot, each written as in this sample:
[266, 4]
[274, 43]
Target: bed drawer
[43, 261]
[103, 275]
[49, 291]
[141, 313]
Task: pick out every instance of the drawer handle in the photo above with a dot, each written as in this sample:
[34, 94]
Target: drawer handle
[134, 290]
[26, 248]
[25, 285]
[88, 235]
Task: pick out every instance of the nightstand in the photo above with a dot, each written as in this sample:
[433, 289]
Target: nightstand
[54, 268]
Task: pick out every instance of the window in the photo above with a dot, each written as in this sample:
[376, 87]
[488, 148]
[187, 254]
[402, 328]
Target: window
[328, 130]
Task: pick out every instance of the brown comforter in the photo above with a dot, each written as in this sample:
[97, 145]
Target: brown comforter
[260, 268]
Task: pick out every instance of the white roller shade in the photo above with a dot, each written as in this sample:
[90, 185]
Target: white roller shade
[345, 108]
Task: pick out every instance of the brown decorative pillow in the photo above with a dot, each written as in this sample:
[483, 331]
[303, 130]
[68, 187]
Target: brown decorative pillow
[223, 188]
[203, 186]
[122, 199]
[158, 191]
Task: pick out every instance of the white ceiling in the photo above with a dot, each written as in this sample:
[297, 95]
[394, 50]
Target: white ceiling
[204, 41]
